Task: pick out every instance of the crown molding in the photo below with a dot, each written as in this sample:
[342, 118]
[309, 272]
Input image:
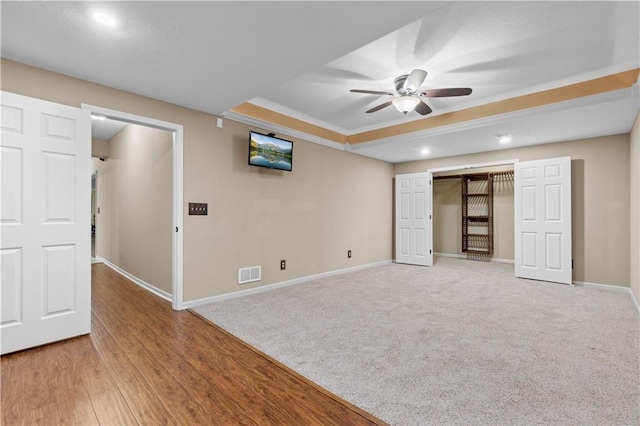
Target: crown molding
[276, 128]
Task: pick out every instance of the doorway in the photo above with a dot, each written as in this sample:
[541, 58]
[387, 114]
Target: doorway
[473, 214]
[176, 132]
[448, 235]
[94, 211]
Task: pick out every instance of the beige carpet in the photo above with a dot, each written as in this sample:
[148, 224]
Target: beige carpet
[462, 342]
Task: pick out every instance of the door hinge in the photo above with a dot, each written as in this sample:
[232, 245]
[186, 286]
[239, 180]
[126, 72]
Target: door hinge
[571, 263]
[429, 251]
[429, 216]
[176, 229]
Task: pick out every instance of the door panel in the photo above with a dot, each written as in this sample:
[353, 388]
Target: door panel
[529, 249]
[45, 245]
[413, 219]
[11, 163]
[543, 220]
[59, 176]
[553, 203]
[59, 284]
[554, 251]
[11, 261]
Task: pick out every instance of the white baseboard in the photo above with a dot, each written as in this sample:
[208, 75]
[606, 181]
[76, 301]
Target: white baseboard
[635, 301]
[269, 287]
[464, 256]
[602, 286]
[611, 288]
[137, 281]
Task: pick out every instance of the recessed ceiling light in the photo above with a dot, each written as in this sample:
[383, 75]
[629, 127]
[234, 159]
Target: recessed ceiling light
[424, 151]
[506, 138]
[98, 117]
[104, 19]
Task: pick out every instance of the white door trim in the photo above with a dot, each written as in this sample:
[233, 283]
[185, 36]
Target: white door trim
[473, 166]
[177, 240]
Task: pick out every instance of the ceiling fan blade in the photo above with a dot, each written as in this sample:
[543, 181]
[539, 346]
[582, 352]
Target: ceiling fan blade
[370, 92]
[379, 107]
[422, 109]
[415, 80]
[443, 93]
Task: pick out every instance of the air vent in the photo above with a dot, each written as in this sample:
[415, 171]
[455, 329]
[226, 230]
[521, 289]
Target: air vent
[250, 274]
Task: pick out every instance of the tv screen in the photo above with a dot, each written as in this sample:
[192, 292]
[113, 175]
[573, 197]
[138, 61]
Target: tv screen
[270, 152]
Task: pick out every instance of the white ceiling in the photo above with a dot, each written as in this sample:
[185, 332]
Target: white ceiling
[106, 129]
[302, 58]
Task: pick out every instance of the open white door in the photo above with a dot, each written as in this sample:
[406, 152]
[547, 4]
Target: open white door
[543, 220]
[413, 219]
[45, 155]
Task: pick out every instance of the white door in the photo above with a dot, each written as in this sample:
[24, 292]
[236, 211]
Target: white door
[45, 155]
[543, 220]
[413, 219]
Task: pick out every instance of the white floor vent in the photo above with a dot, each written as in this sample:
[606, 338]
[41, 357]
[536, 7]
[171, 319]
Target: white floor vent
[247, 275]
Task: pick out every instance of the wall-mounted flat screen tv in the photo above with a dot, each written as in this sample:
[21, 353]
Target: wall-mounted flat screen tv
[270, 152]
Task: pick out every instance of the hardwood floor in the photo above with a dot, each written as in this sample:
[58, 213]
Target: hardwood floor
[144, 363]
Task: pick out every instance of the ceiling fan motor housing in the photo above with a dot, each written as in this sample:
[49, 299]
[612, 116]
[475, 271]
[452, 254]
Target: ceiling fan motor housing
[399, 84]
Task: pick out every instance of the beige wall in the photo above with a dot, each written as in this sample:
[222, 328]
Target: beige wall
[600, 199]
[333, 201]
[99, 148]
[447, 216]
[133, 229]
[635, 208]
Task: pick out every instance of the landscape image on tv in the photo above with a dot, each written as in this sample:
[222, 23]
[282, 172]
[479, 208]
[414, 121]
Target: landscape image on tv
[271, 152]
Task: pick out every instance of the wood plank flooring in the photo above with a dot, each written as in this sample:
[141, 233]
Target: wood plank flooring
[144, 363]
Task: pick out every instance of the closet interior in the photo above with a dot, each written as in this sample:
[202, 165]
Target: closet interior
[476, 221]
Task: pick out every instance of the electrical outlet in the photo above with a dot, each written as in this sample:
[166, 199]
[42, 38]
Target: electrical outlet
[349, 254]
[199, 209]
[283, 265]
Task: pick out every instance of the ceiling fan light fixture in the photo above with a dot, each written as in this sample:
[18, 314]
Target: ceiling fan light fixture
[404, 104]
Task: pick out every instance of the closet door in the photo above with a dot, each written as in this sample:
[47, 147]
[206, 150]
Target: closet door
[413, 219]
[543, 220]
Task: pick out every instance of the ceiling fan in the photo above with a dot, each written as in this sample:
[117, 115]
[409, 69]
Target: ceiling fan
[407, 96]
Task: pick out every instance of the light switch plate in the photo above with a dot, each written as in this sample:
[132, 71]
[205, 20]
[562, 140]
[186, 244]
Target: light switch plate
[198, 209]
